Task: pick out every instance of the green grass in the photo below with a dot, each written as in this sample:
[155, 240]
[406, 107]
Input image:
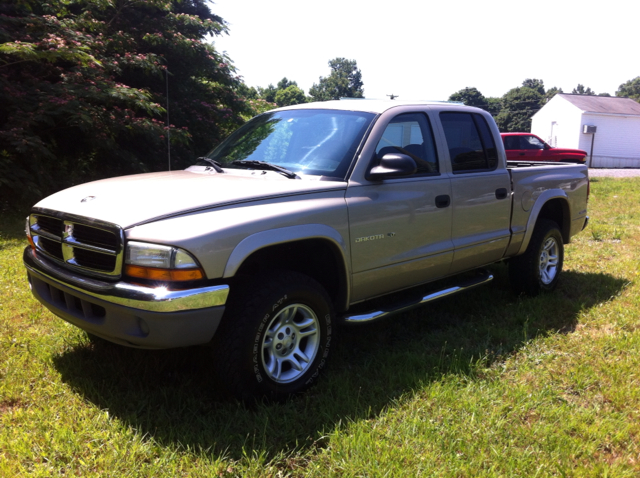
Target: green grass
[483, 384]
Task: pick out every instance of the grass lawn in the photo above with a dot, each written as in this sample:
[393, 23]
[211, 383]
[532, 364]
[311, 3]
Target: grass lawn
[482, 384]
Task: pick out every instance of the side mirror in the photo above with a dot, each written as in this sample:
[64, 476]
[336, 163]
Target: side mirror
[546, 146]
[393, 165]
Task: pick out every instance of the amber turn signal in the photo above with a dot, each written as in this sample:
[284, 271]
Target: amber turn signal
[151, 273]
[27, 231]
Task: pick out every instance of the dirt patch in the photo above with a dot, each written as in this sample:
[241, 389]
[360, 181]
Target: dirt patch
[9, 405]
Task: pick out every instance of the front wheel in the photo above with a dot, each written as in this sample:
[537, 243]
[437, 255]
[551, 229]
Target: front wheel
[538, 269]
[276, 336]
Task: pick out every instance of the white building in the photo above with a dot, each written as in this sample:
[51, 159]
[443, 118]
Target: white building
[616, 142]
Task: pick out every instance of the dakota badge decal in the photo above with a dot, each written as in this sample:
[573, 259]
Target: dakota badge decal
[374, 237]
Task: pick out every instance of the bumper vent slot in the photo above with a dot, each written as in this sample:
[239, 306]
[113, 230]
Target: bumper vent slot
[75, 306]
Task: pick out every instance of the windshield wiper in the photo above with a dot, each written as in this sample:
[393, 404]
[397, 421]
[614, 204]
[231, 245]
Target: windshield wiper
[216, 165]
[265, 165]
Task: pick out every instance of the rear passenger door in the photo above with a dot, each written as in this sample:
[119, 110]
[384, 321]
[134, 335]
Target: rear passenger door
[512, 148]
[481, 192]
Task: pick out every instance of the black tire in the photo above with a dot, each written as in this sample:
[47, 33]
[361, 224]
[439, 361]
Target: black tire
[539, 268]
[275, 337]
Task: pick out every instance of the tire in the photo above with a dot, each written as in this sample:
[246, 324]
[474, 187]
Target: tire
[275, 337]
[539, 268]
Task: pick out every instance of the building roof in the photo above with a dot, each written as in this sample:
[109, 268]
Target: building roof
[603, 104]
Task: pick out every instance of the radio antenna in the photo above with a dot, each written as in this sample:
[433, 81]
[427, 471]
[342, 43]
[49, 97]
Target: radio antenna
[166, 71]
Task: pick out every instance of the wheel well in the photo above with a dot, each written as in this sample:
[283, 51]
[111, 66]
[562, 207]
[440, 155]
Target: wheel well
[557, 210]
[316, 258]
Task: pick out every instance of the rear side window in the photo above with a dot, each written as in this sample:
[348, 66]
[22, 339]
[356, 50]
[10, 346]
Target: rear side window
[471, 145]
[410, 134]
[511, 142]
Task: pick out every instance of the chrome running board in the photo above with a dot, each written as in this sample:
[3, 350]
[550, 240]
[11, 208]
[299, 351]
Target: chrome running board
[405, 306]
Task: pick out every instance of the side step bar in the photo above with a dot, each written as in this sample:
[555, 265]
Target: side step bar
[405, 306]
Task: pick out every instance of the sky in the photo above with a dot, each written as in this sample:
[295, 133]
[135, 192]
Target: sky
[430, 49]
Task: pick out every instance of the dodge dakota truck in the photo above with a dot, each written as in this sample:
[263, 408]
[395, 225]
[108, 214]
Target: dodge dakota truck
[529, 147]
[286, 230]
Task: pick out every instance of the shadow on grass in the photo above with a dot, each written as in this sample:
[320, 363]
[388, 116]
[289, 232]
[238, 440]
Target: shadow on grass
[171, 396]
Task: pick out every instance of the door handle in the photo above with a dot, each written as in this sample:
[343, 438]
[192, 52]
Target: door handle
[522, 154]
[501, 193]
[443, 201]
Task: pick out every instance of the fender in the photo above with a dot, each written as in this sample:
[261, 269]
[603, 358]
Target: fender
[272, 237]
[541, 200]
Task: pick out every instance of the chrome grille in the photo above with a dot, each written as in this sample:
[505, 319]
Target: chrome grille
[81, 244]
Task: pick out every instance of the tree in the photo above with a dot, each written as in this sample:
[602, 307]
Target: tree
[534, 84]
[494, 105]
[268, 94]
[581, 90]
[83, 89]
[291, 95]
[345, 81]
[630, 89]
[284, 83]
[284, 94]
[551, 92]
[470, 97]
[247, 92]
[518, 106]
[254, 103]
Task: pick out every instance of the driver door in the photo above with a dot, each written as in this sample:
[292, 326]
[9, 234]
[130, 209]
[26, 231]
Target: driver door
[400, 228]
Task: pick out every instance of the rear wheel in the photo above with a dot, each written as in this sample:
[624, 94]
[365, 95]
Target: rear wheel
[275, 338]
[538, 269]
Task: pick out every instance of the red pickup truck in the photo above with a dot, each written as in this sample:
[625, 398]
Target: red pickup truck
[529, 147]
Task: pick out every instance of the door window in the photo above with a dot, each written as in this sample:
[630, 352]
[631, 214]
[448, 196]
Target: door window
[531, 142]
[410, 134]
[471, 145]
[511, 142]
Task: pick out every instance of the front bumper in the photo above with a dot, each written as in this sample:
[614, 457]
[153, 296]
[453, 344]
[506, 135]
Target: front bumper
[125, 313]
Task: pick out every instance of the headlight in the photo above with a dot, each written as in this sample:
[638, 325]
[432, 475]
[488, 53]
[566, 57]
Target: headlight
[157, 262]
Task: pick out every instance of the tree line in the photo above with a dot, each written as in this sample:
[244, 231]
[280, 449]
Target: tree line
[514, 110]
[99, 88]
[344, 81]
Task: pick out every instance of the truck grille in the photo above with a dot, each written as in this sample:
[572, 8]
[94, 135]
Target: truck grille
[81, 244]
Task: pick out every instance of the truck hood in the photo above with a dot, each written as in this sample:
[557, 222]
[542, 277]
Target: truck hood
[577, 152]
[131, 200]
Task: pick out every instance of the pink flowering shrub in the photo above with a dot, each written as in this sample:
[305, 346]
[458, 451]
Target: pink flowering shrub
[83, 90]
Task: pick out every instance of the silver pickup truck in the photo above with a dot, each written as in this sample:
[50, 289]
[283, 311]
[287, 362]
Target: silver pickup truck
[263, 248]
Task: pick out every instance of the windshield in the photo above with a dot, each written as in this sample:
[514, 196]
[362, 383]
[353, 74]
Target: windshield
[313, 142]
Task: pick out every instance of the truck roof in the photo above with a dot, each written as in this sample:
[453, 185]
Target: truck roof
[371, 106]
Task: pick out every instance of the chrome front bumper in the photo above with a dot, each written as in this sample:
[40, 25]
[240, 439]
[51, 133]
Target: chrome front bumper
[125, 313]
